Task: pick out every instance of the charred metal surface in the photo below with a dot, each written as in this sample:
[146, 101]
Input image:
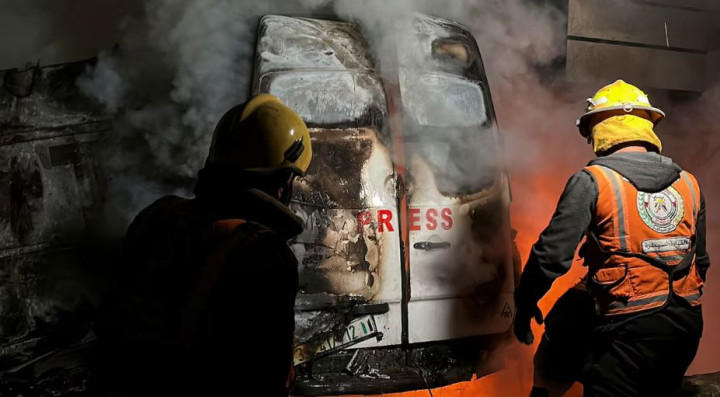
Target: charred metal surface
[46, 97]
[300, 43]
[316, 325]
[324, 71]
[50, 198]
[51, 190]
[387, 370]
[349, 251]
[26, 193]
[43, 303]
[58, 373]
[338, 255]
[438, 45]
[338, 160]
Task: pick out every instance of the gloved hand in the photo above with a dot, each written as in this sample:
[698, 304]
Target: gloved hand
[534, 283]
[521, 327]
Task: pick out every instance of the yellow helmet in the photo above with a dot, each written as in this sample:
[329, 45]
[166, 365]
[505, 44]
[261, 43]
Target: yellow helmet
[264, 136]
[618, 96]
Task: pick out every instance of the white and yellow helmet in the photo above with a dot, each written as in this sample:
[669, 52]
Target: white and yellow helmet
[618, 96]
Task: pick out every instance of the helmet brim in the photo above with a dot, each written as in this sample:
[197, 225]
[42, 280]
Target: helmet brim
[656, 115]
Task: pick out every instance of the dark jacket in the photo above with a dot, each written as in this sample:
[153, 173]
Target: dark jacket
[168, 327]
[552, 255]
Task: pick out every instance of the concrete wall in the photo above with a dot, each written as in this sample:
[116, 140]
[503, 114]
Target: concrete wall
[58, 31]
[656, 44]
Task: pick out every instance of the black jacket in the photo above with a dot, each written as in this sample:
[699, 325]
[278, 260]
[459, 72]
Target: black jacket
[159, 336]
[552, 255]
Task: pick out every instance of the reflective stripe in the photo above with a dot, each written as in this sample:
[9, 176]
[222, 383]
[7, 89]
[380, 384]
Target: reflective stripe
[640, 302]
[693, 297]
[669, 259]
[690, 186]
[620, 208]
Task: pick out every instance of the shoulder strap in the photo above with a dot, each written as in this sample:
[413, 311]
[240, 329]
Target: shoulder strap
[616, 186]
[691, 187]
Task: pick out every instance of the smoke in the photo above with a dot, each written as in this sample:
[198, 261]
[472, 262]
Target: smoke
[521, 43]
[183, 63]
[57, 31]
[177, 69]
[689, 135]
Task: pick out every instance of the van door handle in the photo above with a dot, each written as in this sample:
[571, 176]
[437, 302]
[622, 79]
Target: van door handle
[429, 245]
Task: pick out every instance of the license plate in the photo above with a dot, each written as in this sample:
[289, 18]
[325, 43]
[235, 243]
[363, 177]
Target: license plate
[358, 330]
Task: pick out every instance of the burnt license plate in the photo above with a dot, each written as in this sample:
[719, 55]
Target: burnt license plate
[360, 329]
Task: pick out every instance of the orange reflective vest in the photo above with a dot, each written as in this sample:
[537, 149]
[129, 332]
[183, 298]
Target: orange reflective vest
[644, 244]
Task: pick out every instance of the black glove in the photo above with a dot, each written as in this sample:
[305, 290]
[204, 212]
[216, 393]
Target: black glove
[533, 285]
[521, 327]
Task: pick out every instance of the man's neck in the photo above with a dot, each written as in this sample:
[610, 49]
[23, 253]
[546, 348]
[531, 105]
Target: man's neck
[630, 149]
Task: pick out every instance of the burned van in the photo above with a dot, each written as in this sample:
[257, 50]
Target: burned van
[51, 197]
[406, 265]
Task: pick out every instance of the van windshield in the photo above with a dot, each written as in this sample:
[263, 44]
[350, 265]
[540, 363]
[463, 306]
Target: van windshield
[447, 124]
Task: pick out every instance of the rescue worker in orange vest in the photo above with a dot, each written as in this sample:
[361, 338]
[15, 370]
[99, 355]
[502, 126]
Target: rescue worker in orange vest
[644, 222]
[206, 287]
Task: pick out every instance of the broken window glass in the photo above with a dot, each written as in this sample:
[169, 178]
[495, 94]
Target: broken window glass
[335, 178]
[435, 45]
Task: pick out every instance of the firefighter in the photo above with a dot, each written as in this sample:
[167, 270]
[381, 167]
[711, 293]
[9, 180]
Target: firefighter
[644, 222]
[206, 287]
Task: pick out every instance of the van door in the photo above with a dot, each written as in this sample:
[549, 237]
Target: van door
[459, 237]
[349, 254]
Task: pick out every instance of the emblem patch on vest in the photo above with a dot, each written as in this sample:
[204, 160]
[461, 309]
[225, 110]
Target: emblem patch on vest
[661, 211]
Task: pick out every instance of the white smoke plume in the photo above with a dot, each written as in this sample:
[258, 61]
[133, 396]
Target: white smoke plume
[689, 136]
[521, 43]
[176, 70]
